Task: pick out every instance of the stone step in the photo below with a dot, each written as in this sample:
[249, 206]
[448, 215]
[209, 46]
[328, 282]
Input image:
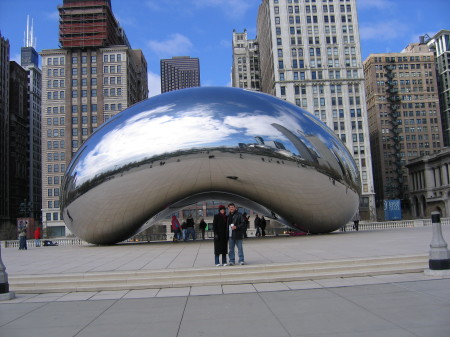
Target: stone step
[169, 278]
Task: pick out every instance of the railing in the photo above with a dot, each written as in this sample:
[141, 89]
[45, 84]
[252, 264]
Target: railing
[250, 232]
[32, 243]
[394, 224]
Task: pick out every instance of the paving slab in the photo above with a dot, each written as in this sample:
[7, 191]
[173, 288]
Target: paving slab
[402, 305]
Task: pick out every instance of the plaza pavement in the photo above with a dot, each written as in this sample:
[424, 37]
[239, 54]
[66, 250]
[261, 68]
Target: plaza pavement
[403, 305]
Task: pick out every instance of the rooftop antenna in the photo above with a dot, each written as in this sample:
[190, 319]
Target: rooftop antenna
[29, 40]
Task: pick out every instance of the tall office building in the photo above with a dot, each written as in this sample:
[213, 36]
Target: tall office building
[179, 72]
[404, 117]
[30, 62]
[245, 69]
[18, 142]
[440, 44]
[94, 76]
[4, 135]
[310, 55]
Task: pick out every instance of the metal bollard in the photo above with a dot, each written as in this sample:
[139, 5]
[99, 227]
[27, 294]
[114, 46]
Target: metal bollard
[5, 294]
[439, 254]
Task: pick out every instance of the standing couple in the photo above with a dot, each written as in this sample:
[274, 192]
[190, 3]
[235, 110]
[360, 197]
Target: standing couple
[228, 232]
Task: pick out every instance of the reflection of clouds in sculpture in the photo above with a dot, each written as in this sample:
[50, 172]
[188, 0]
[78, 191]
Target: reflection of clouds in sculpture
[151, 135]
[259, 124]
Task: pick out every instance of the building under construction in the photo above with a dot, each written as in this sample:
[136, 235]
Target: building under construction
[89, 23]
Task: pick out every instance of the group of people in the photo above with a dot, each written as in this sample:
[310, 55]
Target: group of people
[229, 233]
[260, 225]
[230, 229]
[23, 237]
[187, 229]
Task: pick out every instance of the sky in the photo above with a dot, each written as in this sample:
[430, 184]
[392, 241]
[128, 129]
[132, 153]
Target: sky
[204, 28]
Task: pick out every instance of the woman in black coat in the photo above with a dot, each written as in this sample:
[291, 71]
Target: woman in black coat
[220, 236]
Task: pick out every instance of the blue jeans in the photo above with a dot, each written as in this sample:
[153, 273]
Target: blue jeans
[231, 244]
[190, 232]
[224, 259]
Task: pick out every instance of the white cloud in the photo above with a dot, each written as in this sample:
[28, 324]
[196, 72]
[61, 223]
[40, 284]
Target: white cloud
[176, 45]
[154, 84]
[380, 4]
[383, 30]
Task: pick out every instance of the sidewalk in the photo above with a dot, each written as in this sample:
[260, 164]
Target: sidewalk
[385, 305]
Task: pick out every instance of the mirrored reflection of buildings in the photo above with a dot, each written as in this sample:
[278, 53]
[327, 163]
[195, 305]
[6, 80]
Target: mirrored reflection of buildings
[179, 72]
[404, 116]
[310, 56]
[94, 75]
[440, 45]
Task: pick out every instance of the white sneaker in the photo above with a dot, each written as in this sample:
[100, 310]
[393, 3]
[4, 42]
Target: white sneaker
[225, 265]
[218, 265]
[242, 263]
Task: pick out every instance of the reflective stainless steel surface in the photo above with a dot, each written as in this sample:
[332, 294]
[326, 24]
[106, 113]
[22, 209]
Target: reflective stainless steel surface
[208, 143]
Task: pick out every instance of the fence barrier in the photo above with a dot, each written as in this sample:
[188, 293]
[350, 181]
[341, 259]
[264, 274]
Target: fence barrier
[251, 233]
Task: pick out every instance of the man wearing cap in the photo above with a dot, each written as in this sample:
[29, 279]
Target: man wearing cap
[236, 227]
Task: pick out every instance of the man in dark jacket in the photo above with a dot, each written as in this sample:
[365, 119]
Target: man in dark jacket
[236, 225]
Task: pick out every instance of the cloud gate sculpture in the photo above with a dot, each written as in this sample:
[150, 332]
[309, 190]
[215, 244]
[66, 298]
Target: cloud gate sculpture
[198, 144]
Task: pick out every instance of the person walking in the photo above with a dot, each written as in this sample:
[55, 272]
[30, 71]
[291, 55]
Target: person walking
[202, 227]
[184, 230]
[236, 228]
[247, 223]
[23, 239]
[37, 237]
[176, 228]
[257, 223]
[263, 226]
[220, 228]
[190, 228]
[356, 219]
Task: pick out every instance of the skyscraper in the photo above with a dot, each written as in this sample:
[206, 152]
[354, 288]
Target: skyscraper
[245, 68]
[179, 72]
[18, 142]
[30, 62]
[310, 56]
[440, 44]
[404, 116]
[4, 133]
[94, 76]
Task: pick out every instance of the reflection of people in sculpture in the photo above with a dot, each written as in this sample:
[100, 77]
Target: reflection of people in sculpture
[236, 228]
[220, 236]
[202, 226]
[257, 223]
